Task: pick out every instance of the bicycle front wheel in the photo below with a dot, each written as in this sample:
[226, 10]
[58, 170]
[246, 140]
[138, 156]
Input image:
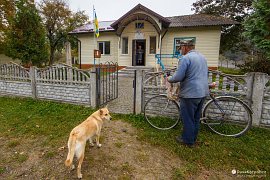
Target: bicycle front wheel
[227, 116]
[161, 112]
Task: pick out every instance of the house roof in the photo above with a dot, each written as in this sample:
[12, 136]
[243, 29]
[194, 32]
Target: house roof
[140, 7]
[193, 20]
[103, 26]
[199, 20]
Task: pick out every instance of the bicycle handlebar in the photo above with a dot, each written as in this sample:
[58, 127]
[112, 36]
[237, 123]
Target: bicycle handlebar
[212, 85]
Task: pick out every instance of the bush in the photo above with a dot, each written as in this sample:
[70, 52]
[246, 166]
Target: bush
[260, 64]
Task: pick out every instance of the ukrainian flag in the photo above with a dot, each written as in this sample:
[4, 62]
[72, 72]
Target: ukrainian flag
[96, 25]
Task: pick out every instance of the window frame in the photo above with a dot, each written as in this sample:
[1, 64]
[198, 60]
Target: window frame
[139, 27]
[104, 48]
[181, 39]
[126, 45]
[150, 44]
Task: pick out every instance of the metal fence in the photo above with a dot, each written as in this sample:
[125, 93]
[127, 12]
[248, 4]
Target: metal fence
[107, 82]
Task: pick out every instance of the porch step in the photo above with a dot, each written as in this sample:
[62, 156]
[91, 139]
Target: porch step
[129, 71]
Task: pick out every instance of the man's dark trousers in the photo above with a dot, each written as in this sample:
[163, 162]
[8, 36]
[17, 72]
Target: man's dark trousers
[190, 109]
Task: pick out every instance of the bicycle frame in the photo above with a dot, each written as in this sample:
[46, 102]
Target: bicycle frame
[216, 103]
[215, 100]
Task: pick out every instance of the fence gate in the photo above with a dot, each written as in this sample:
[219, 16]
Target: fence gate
[107, 83]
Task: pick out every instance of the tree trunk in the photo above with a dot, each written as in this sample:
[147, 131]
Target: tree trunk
[51, 56]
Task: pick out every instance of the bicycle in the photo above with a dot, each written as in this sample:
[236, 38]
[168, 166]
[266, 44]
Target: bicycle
[224, 115]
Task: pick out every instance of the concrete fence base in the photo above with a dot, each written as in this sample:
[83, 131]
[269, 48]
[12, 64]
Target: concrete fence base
[67, 84]
[254, 87]
[60, 83]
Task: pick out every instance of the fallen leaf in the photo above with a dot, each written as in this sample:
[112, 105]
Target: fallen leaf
[61, 148]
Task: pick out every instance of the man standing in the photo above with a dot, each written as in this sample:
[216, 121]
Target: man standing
[140, 55]
[192, 74]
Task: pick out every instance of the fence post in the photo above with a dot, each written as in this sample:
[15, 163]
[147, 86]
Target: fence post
[249, 82]
[139, 91]
[33, 81]
[93, 88]
[259, 81]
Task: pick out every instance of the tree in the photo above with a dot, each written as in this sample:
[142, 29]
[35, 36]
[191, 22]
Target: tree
[7, 11]
[236, 10]
[26, 39]
[59, 20]
[257, 27]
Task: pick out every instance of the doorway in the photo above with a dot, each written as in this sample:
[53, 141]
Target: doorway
[138, 52]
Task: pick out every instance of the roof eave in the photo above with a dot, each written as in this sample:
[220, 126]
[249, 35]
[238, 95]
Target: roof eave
[86, 32]
[164, 20]
[204, 25]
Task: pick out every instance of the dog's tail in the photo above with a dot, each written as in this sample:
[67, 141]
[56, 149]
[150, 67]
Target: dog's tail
[71, 149]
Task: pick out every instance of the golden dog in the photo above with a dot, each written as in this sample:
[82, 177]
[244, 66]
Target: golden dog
[83, 132]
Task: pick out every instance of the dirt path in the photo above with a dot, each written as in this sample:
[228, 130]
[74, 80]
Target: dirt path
[121, 156]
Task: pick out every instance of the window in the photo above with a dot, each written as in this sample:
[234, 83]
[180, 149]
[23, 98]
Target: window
[153, 42]
[104, 47]
[124, 45]
[177, 43]
[139, 25]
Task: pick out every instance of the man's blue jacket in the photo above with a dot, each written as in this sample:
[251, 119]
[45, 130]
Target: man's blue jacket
[192, 74]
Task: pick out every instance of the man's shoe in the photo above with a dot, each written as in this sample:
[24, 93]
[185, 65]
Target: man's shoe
[198, 143]
[180, 141]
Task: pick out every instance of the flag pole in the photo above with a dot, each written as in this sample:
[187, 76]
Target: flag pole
[94, 34]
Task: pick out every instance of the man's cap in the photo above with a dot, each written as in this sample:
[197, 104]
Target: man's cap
[188, 43]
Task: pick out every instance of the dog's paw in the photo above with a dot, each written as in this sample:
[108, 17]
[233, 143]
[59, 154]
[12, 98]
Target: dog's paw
[72, 167]
[99, 145]
[92, 144]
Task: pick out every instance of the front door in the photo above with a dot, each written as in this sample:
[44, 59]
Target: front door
[138, 52]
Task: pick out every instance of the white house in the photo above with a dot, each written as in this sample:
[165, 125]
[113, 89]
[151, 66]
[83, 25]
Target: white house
[136, 37]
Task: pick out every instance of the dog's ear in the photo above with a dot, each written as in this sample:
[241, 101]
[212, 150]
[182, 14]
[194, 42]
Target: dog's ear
[100, 111]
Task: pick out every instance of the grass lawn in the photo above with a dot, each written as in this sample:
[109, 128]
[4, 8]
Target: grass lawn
[230, 71]
[249, 152]
[31, 118]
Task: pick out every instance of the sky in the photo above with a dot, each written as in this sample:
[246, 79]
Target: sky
[107, 10]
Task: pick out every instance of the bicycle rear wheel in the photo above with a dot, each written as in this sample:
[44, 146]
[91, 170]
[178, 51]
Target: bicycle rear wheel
[235, 119]
[161, 113]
